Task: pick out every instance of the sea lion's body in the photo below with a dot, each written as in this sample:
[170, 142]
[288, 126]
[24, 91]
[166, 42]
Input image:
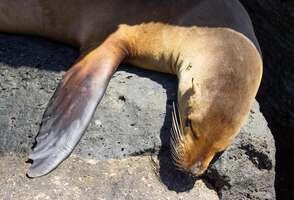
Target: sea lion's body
[83, 22]
[209, 44]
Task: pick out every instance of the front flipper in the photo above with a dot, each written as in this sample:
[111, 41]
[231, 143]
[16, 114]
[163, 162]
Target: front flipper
[71, 109]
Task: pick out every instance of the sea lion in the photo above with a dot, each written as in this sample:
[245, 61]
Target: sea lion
[209, 44]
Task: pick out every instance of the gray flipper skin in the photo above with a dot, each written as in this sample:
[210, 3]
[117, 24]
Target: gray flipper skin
[67, 116]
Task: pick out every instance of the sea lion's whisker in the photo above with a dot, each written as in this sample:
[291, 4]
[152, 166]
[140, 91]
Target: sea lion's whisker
[177, 125]
[175, 116]
[181, 123]
[177, 138]
[174, 155]
[173, 143]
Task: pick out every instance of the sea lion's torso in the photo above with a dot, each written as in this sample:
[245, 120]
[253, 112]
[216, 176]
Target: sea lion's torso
[84, 22]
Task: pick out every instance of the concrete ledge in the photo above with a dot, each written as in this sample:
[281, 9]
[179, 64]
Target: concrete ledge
[132, 178]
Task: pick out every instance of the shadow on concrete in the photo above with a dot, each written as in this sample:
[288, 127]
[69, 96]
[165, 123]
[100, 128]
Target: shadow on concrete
[19, 51]
[173, 179]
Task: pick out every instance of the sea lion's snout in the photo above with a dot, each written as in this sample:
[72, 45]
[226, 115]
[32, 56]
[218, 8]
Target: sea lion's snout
[196, 169]
[199, 167]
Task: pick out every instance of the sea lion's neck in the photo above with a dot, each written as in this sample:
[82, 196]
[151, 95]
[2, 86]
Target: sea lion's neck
[156, 46]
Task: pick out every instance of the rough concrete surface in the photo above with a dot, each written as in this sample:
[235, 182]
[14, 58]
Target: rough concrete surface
[132, 178]
[133, 119]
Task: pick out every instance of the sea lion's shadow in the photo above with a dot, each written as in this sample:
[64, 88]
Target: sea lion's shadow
[171, 177]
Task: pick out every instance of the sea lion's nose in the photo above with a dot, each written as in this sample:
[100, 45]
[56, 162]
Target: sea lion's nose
[197, 169]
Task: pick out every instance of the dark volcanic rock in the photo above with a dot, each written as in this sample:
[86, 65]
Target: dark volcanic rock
[273, 21]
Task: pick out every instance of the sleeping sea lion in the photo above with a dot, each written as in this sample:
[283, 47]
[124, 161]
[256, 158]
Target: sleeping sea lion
[209, 44]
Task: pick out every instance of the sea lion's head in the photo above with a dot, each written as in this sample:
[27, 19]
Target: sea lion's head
[199, 132]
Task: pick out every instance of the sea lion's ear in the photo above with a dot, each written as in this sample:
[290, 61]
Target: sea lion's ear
[195, 87]
[70, 111]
